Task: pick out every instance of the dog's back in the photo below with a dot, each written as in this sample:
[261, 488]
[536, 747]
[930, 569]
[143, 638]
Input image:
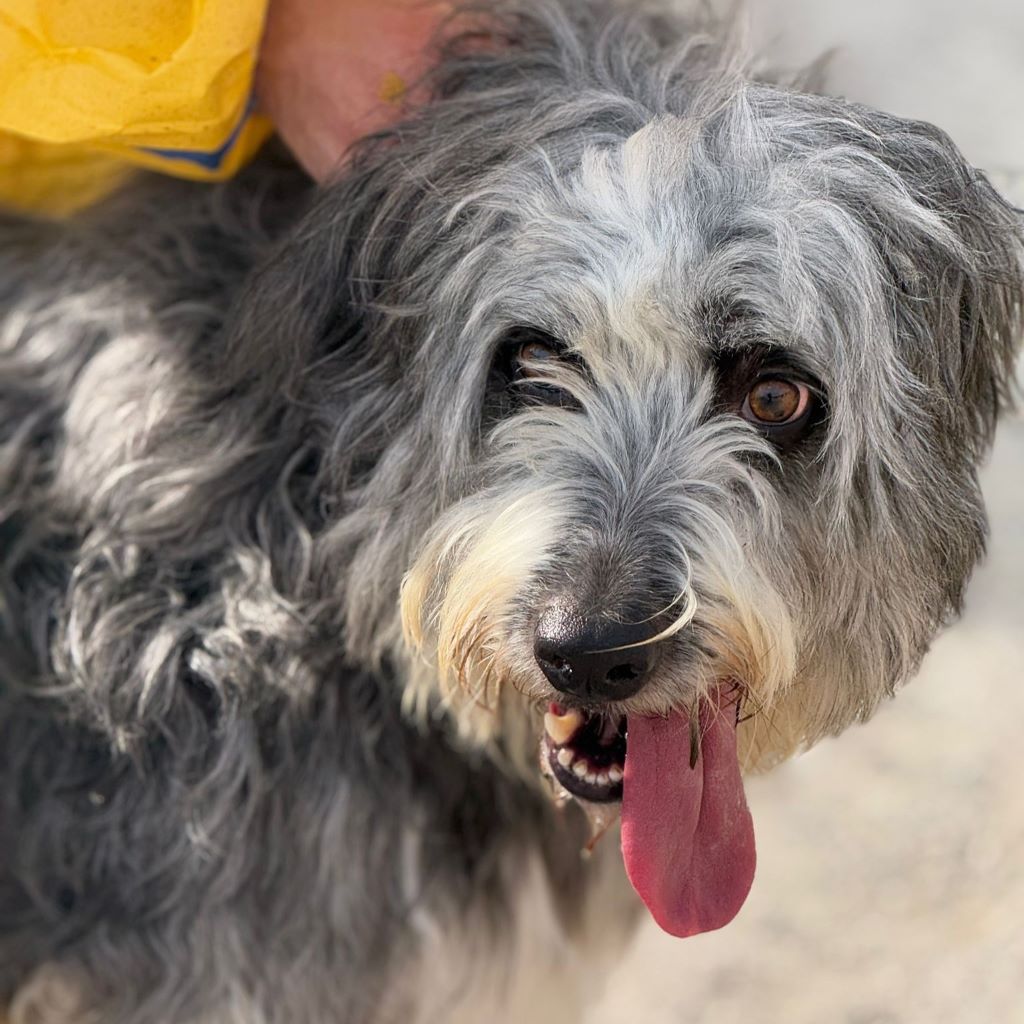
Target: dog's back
[174, 851]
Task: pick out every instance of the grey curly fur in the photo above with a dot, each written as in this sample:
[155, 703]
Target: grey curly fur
[231, 420]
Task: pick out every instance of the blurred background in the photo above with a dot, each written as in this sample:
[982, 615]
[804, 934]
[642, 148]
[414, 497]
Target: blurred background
[890, 885]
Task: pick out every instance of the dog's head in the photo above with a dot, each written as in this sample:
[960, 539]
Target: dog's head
[654, 394]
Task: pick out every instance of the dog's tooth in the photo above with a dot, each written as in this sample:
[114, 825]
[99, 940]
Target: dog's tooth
[591, 777]
[561, 728]
[615, 773]
[564, 756]
[601, 778]
[580, 769]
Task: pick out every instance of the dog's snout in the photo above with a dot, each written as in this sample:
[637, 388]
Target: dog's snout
[592, 658]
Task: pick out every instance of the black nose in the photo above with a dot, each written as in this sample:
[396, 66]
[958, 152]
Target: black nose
[590, 657]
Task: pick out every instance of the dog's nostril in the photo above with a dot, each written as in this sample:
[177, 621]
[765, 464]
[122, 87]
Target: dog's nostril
[622, 673]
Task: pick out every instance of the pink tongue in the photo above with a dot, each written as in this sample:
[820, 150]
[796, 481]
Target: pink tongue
[687, 835]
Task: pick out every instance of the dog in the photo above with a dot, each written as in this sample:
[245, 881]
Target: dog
[608, 429]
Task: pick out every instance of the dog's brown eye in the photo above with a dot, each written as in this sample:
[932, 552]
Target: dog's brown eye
[534, 357]
[534, 368]
[775, 401]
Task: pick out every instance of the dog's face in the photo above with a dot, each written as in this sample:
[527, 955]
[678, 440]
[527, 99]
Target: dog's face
[689, 378]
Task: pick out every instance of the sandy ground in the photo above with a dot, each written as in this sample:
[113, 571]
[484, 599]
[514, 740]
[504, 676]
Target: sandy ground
[890, 886]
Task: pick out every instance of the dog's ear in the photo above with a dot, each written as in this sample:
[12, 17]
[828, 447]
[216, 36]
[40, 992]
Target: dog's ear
[989, 300]
[959, 262]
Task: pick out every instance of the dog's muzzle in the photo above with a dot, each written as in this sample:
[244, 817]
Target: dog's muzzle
[591, 658]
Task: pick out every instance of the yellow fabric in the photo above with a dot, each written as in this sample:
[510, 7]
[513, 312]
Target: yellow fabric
[87, 86]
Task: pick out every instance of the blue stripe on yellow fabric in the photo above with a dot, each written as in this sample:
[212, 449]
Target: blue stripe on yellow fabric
[208, 160]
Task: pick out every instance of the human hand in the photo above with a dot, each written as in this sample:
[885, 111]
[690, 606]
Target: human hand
[331, 71]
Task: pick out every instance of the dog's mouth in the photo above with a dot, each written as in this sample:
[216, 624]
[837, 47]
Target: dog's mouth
[586, 753]
[687, 835]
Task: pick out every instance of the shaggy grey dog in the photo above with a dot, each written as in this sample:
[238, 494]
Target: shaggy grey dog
[616, 380]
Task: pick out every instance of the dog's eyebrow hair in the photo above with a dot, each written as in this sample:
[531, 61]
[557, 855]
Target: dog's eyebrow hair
[755, 356]
[758, 347]
[734, 325]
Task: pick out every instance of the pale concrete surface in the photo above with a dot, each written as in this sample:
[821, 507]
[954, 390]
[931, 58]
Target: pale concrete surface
[958, 63]
[890, 886]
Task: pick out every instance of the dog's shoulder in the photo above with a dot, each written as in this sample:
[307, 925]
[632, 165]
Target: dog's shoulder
[155, 242]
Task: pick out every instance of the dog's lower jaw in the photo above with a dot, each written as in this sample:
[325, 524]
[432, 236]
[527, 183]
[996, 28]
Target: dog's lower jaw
[584, 755]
